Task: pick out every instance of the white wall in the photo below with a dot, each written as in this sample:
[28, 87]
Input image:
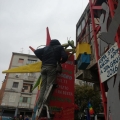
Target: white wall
[10, 85]
[10, 99]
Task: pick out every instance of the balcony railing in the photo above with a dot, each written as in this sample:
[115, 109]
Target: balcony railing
[31, 77]
[23, 105]
[26, 91]
[80, 72]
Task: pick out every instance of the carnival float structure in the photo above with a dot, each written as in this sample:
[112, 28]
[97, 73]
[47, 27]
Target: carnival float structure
[97, 54]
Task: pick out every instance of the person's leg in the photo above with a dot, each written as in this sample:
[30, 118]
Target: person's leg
[43, 86]
[51, 77]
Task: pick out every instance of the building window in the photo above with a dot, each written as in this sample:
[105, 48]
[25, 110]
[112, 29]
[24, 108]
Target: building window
[83, 24]
[24, 99]
[20, 60]
[79, 30]
[15, 84]
[25, 87]
[30, 61]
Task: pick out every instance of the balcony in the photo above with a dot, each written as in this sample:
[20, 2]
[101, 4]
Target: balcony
[90, 74]
[31, 78]
[27, 93]
[27, 88]
[23, 105]
[80, 72]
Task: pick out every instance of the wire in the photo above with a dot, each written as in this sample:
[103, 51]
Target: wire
[40, 46]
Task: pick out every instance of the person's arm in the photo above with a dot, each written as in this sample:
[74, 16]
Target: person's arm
[64, 56]
[39, 53]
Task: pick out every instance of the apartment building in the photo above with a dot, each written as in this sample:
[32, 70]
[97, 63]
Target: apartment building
[16, 95]
[89, 27]
[85, 34]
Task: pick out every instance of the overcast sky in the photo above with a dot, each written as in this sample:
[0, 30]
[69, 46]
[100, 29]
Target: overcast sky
[23, 23]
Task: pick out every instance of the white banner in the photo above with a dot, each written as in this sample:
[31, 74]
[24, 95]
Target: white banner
[108, 63]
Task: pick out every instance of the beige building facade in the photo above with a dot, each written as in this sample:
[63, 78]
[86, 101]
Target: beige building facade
[17, 96]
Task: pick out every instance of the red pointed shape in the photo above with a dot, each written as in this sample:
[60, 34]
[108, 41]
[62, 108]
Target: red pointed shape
[32, 48]
[48, 37]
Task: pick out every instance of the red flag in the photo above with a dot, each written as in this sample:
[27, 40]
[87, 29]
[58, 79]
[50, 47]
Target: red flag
[91, 111]
[32, 48]
[48, 37]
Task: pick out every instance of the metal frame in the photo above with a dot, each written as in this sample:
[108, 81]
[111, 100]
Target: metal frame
[104, 99]
[95, 30]
[111, 4]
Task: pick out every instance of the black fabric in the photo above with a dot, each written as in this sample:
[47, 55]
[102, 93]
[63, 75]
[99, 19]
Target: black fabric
[47, 56]
[54, 42]
[39, 53]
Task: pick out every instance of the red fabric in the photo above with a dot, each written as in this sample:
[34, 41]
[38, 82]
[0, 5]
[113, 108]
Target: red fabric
[48, 37]
[62, 100]
[32, 48]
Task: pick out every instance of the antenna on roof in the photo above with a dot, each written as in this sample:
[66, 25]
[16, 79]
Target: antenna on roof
[21, 50]
[28, 51]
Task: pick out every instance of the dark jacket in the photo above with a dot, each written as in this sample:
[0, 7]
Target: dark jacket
[52, 54]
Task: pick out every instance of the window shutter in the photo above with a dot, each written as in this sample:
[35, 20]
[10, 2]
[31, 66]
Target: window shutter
[28, 100]
[21, 99]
